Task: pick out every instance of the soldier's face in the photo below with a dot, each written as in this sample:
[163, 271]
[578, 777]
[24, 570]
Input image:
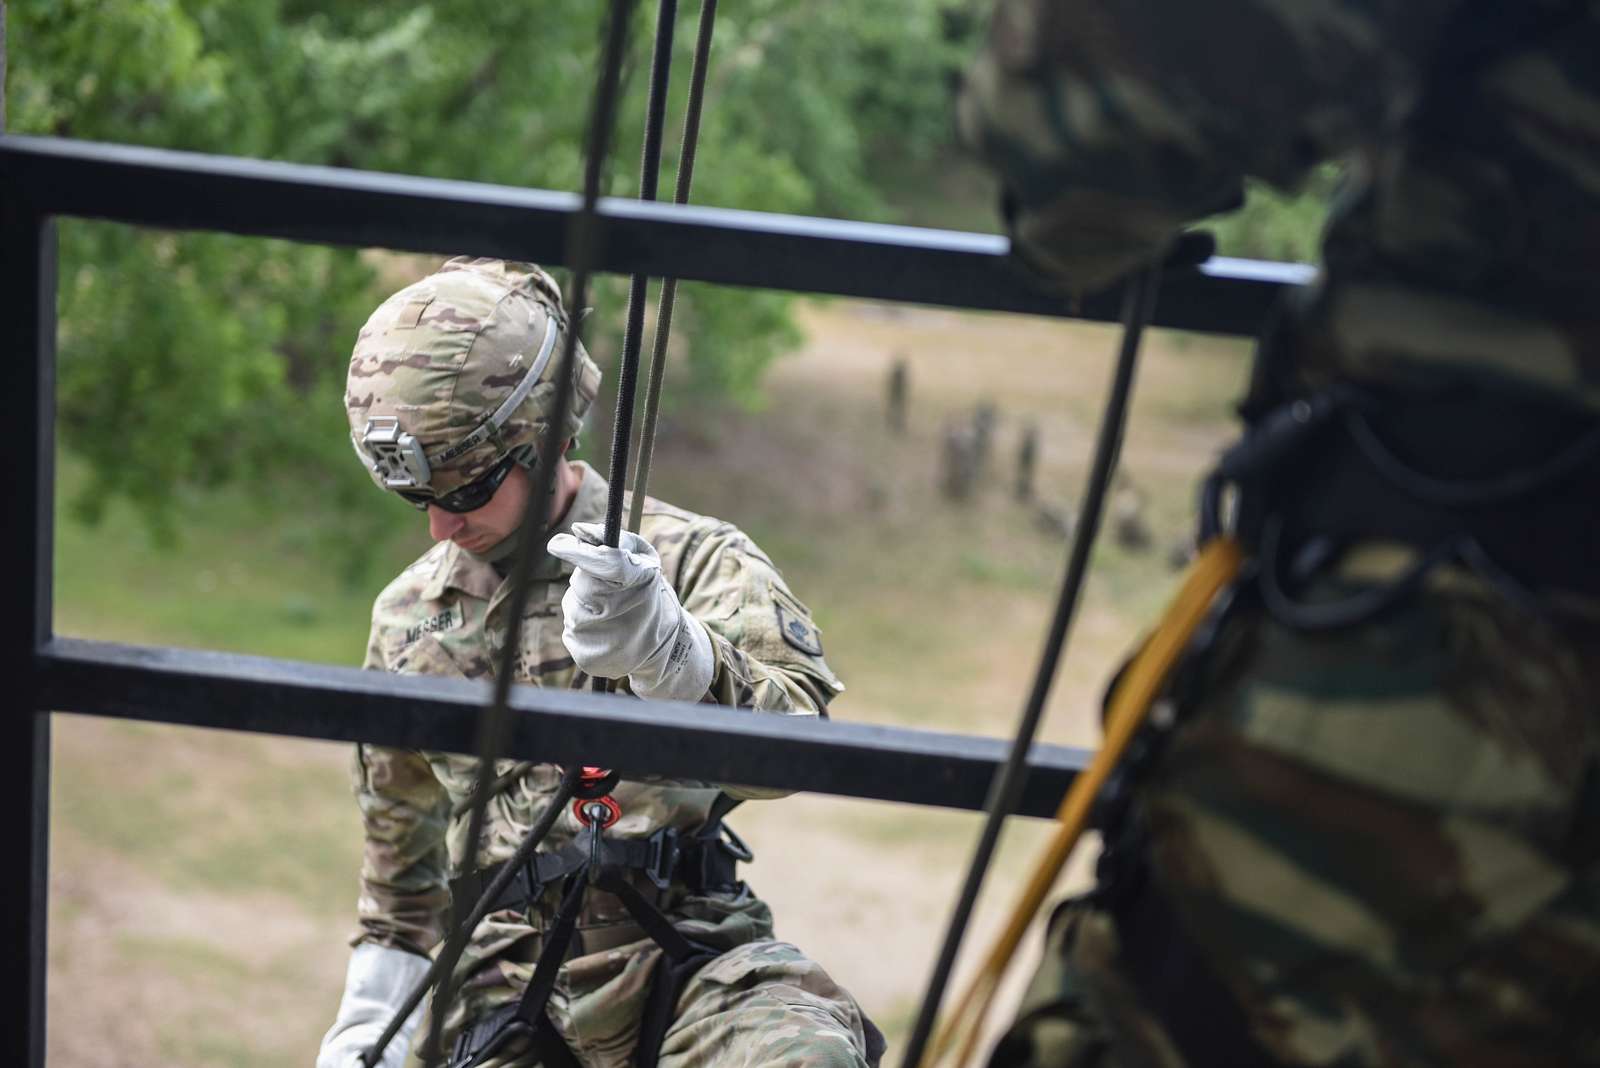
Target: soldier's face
[482, 529]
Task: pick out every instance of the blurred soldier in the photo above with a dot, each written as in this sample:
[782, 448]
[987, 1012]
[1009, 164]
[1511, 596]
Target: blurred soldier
[450, 386]
[1370, 835]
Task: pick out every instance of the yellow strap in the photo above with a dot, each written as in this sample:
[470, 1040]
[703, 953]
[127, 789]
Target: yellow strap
[1214, 567]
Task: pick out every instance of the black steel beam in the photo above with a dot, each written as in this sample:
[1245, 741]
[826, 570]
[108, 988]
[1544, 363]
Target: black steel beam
[28, 326]
[683, 741]
[188, 191]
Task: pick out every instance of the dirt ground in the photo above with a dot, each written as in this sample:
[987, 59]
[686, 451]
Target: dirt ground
[203, 882]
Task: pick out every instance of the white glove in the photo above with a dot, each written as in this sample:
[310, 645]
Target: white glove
[622, 618]
[375, 986]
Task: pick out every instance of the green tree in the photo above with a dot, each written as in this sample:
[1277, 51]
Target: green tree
[194, 360]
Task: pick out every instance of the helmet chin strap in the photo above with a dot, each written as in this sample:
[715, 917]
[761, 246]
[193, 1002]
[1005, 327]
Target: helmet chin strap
[499, 553]
[527, 458]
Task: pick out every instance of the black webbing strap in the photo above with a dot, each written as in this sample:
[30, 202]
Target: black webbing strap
[721, 805]
[489, 1036]
[681, 958]
[704, 862]
[647, 916]
[1176, 983]
[527, 1016]
[557, 940]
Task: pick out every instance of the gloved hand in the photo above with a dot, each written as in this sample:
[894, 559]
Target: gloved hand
[1083, 246]
[622, 618]
[375, 986]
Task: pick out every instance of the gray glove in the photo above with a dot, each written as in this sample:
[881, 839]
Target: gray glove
[621, 617]
[375, 986]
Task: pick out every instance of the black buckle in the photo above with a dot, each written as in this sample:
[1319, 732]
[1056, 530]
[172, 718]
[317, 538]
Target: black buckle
[661, 857]
[733, 845]
[495, 1031]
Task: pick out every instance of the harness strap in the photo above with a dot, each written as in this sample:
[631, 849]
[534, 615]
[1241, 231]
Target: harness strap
[660, 929]
[1505, 487]
[484, 1039]
[708, 861]
[681, 958]
[660, 1006]
[556, 943]
[1177, 984]
[527, 1016]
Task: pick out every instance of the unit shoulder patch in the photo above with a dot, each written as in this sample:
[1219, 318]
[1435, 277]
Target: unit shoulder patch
[797, 630]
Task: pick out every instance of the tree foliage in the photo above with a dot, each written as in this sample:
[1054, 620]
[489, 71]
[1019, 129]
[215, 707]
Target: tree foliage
[192, 360]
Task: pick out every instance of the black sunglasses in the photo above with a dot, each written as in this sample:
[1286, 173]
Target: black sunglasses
[468, 498]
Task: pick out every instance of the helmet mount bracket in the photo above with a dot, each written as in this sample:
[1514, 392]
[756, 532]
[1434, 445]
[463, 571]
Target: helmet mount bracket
[396, 456]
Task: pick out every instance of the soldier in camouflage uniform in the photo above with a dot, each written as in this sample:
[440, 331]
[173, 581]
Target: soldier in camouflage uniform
[688, 609]
[1369, 840]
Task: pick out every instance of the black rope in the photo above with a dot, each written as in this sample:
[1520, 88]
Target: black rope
[1138, 301]
[582, 241]
[669, 286]
[502, 878]
[633, 334]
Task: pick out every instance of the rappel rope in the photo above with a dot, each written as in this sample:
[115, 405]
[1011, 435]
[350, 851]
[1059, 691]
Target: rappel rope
[669, 286]
[638, 285]
[580, 249]
[1138, 303]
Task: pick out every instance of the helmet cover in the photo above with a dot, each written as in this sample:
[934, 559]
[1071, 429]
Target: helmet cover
[457, 370]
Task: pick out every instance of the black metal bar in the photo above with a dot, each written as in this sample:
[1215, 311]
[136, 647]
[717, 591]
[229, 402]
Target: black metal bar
[28, 319]
[658, 738]
[179, 190]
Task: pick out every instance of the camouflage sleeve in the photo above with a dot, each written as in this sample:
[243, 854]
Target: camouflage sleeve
[769, 652]
[405, 811]
[1112, 125]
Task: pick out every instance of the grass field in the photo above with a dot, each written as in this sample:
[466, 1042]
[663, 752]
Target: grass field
[203, 882]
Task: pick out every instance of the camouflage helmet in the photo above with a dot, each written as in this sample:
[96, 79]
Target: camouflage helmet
[456, 371]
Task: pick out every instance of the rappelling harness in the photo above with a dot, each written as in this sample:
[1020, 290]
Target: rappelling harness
[702, 862]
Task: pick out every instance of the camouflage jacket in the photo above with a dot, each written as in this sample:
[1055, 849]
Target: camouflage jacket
[445, 615]
[1463, 246]
[1379, 839]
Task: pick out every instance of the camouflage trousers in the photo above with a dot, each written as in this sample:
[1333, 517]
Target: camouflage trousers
[1381, 842]
[763, 1003]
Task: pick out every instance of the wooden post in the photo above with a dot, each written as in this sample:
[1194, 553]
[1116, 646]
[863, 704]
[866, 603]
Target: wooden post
[1027, 461]
[1128, 524]
[899, 386]
[984, 419]
[958, 461]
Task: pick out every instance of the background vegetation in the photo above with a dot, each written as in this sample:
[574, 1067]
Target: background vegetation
[203, 360]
